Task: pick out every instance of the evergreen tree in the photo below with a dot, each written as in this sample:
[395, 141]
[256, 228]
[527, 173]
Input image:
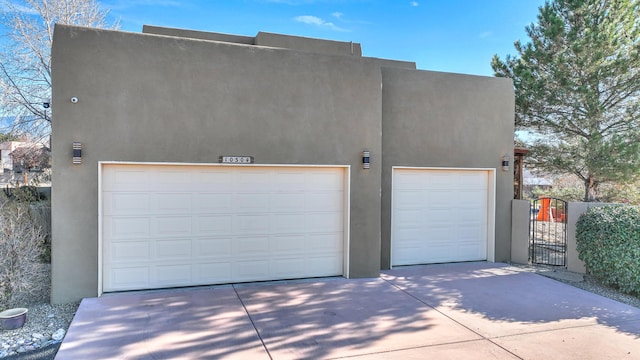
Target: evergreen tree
[577, 86]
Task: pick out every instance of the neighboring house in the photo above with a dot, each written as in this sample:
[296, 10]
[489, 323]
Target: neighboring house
[205, 158]
[7, 147]
[533, 182]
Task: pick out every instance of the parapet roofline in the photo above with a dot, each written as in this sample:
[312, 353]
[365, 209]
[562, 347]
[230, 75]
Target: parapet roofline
[320, 46]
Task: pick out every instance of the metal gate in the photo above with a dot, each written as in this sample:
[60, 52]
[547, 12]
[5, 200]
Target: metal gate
[548, 232]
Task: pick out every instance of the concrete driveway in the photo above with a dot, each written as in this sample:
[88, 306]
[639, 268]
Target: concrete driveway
[452, 311]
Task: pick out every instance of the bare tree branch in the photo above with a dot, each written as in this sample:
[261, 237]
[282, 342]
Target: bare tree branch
[25, 59]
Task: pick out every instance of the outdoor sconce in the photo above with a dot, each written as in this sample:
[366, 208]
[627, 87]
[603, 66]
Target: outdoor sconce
[505, 163]
[366, 159]
[77, 153]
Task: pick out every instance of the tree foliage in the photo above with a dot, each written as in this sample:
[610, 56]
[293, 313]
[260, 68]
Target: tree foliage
[577, 86]
[608, 241]
[31, 157]
[25, 59]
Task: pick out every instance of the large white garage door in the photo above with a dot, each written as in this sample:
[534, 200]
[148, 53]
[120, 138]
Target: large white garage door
[166, 226]
[439, 216]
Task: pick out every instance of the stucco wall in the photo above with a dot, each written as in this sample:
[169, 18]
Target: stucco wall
[150, 98]
[434, 119]
[202, 35]
[520, 219]
[320, 46]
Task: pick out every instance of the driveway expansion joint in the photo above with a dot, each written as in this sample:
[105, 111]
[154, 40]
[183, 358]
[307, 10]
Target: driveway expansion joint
[450, 318]
[252, 322]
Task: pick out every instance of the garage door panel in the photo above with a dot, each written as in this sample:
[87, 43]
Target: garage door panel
[441, 199]
[171, 226]
[258, 245]
[323, 222]
[409, 217]
[173, 249]
[410, 253]
[288, 223]
[288, 267]
[439, 215]
[208, 202]
[171, 203]
[411, 199]
[257, 181]
[320, 201]
[125, 179]
[283, 244]
[128, 251]
[408, 234]
[289, 182]
[251, 224]
[442, 217]
[213, 248]
[125, 203]
[331, 242]
[201, 225]
[213, 273]
[251, 203]
[171, 275]
[213, 224]
[324, 179]
[169, 178]
[127, 227]
[216, 182]
[287, 202]
[322, 266]
[441, 253]
[438, 181]
[250, 270]
[127, 278]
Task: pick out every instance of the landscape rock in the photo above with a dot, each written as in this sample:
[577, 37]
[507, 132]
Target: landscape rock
[58, 335]
[44, 321]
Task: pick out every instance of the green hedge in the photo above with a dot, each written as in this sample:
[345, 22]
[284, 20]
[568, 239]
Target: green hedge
[608, 240]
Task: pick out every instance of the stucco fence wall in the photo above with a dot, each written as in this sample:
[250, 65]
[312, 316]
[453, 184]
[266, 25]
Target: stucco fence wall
[520, 215]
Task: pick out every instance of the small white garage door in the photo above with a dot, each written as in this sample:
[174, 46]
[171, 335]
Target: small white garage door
[439, 216]
[175, 225]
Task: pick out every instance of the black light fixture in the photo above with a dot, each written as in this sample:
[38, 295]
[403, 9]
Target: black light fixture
[366, 159]
[505, 163]
[77, 153]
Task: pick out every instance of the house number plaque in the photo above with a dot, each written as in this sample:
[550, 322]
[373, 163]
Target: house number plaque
[228, 159]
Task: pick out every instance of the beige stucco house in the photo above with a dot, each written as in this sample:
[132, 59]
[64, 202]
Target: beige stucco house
[206, 158]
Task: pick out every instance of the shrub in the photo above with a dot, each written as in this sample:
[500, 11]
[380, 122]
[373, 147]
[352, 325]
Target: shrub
[608, 240]
[22, 275]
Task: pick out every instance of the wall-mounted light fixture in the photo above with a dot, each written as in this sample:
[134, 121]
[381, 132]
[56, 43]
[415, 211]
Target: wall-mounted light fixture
[366, 159]
[505, 163]
[77, 153]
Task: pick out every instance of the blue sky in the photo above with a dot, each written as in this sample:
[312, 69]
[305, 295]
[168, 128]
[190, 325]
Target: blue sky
[442, 35]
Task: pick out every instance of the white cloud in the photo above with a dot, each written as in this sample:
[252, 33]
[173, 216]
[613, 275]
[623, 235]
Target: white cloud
[316, 21]
[484, 35]
[414, 3]
[15, 8]
[337, 15]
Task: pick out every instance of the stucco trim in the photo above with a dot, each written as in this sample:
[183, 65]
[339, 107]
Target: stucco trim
[347, 203]
[491, 205]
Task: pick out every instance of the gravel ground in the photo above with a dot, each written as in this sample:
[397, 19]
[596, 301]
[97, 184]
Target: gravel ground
[591, 285]
[584, 282]
[46, 325]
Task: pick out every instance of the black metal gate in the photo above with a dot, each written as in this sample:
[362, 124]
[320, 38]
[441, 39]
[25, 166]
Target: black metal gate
[548, 232]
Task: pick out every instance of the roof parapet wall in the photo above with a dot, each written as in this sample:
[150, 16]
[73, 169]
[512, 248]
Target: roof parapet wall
[319, 46]
[201, 35]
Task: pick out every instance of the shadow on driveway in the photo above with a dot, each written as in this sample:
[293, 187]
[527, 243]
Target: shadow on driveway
[475, 310]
